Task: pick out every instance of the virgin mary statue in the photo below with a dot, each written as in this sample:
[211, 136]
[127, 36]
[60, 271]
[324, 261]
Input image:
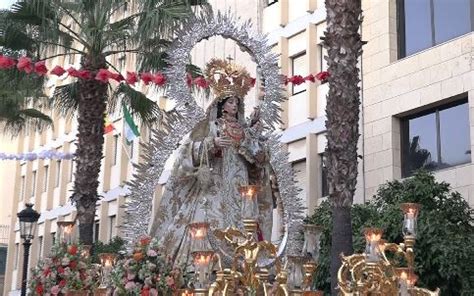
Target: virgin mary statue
[222, 153]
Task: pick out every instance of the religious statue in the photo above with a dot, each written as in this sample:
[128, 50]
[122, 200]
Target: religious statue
[222, 153]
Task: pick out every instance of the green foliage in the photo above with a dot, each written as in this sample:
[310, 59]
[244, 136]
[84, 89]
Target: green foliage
[21, 95]
[116, 246]
[445, 242]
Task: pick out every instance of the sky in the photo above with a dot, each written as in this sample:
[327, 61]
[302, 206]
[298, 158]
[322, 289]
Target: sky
[6, 3]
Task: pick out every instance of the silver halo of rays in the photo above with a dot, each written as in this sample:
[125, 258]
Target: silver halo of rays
[139, 202]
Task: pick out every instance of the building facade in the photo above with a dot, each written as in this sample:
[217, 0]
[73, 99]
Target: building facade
[416, 91]
[417, 111]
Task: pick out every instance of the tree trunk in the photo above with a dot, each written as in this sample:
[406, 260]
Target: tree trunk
[90, 141]
[344, 45]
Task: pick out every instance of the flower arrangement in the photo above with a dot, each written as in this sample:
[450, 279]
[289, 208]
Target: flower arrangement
[65, 270]
[145, 272]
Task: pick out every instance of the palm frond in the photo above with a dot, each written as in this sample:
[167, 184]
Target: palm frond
[160, 18]
[65, 99]
[141, 107]
[14, 117]
[154, 61]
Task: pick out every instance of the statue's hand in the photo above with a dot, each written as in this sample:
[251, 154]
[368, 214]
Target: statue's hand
[255, 116]
[222, 142]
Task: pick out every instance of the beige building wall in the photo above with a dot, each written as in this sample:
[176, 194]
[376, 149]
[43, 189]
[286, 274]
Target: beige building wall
[392, 89]
[395, 88]
[7, 177]
[294, 29]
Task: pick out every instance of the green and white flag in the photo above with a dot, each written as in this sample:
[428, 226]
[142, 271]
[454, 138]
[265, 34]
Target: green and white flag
[130, 128]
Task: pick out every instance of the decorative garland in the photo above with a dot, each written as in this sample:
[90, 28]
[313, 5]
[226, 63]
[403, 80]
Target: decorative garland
[26, 64]
[30, 156]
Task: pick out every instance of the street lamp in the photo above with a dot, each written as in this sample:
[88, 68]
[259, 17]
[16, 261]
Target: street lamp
[28, 218]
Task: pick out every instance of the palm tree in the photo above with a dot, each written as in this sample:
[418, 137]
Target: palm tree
[96, 30]
[21, 95]
[344, 45]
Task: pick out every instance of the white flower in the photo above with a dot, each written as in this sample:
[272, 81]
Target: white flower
[152, 253]
[65, 261]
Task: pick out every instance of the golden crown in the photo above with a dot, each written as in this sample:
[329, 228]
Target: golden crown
[228, 79]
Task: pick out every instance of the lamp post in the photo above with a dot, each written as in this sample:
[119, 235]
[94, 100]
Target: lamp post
[28, 218]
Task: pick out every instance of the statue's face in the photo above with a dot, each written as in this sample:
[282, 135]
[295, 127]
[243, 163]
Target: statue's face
[231, 106]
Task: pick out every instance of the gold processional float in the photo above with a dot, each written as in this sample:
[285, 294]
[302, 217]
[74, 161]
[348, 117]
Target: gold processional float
[369, 273]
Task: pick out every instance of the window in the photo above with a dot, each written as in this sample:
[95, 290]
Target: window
[112, 226]
[53, 238]
[322, 61]
[96, 231]
[22, 188]
[3, 259]
[40, 246]
[299, 168]
[46, 176]
[71, 170]
[58, 173]
[298, 67]
[33, 181]
[436, 139]
[131, 150]
[270, 2]
[114, 161]
[324, 176]
[17, 256]
[426, 23]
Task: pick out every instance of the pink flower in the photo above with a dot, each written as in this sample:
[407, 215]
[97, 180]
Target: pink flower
[159, 79]
[73, 72]
[130, 285]
[6, 62]
[40, 68]
[297, 79]
[310, 77]
[322, 76]
[151, 253]
[189, 80]
[55, 290]
[153, 292]
[103, 75]
[130, 276]
[84, 74]
[201, 82]
[25, 64]
[252, 81]
[146, 77]
[169, 281]
[58, 71]
[117, 77]
[132, 78]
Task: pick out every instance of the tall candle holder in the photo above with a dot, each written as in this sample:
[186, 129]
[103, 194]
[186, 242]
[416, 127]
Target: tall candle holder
[410, 217]
[249, 201]
[198, 233]
[107, 261]
[373, 273]
[201, 261]
[372, 248]
[66, 231]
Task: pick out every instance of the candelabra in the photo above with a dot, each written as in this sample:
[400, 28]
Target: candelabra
[245, 276]
[372, 273]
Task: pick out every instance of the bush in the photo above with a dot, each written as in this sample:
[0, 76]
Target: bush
[444, 249]
[116, 246]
